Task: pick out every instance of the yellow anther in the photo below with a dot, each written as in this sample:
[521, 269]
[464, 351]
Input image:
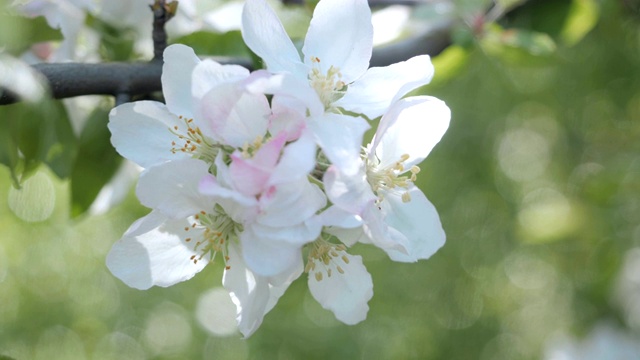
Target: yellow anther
[406, 197]
[345, 259]
[318, 276]
[340, 270]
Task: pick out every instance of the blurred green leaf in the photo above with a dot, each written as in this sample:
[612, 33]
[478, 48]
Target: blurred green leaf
[517, 45]
[449, 63]
[116, 44]
[18, 33]
[209, 43]
[583, 16]
[508, 4]
[96, 163]
[36, 133]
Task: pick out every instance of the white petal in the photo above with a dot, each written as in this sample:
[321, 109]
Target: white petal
[288, 85]
[340, 137]
[249, 292]
[278, 284]
[335, 216]
[297, 161]
[340, 35]
[294, 235]
[379, 87]
[179, 62]
[209, 74]
[172, 188]
[345, 294]
[155, 252]
[291, 203]
[349, 237]
[412, 126]
[379, 232]
[233, 115]
[267, 258]
[264, 35]
[350, 193]
[254, 295]
[419, 222]
[140, 131]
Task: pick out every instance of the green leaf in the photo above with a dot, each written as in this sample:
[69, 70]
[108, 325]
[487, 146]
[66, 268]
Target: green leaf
[116, 43]
[18, 33]
[517, 45]
[583, 17]
[449, 63]
[96, 163]
[60, 144]
[36, 133]
[209, 43]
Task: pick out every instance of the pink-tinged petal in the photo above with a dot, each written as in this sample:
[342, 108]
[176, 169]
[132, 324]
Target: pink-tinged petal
[268, 154]
[140, 131]
[248, 179]
[249, 292]
[155, 251]
[172, 188]
[340, 35]
[291, 203]
[297, 161]
[347, 292]
[350, 193]
[412, 126]
[340, 137]
[251, 176]
[288, 115]
[419, 222]
[379, 87]
[233, 115]
[262, 82]
[209, 74]
[264, 35]
[179, 62]
[267, 258]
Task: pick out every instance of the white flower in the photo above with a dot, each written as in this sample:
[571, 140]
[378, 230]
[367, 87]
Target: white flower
[339, 281]
[206, 109]
[395, 215]
[332, 75]
[184, 233]
[275, 205]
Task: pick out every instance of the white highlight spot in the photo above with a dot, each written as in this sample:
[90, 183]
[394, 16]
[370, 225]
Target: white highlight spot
[35, 201]
[217, 313]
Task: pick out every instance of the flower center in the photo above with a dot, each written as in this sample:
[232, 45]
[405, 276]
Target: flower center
[329, 86]
[390, 177]
[324, 257]
[219, 229]
[191, 140]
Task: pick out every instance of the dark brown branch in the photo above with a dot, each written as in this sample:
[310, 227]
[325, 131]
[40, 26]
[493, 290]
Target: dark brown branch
[117, 79]
[162, 12]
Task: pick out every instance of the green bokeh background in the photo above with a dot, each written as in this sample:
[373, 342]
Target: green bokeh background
[537, 183]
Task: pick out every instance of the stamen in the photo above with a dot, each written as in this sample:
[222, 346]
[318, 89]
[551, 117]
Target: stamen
[390, 177]
[329, 86]
[323, 257]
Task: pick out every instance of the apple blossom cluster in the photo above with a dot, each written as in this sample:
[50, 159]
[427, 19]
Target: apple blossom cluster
[265, 172]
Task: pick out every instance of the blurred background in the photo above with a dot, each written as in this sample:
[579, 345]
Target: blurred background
[537, 183]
